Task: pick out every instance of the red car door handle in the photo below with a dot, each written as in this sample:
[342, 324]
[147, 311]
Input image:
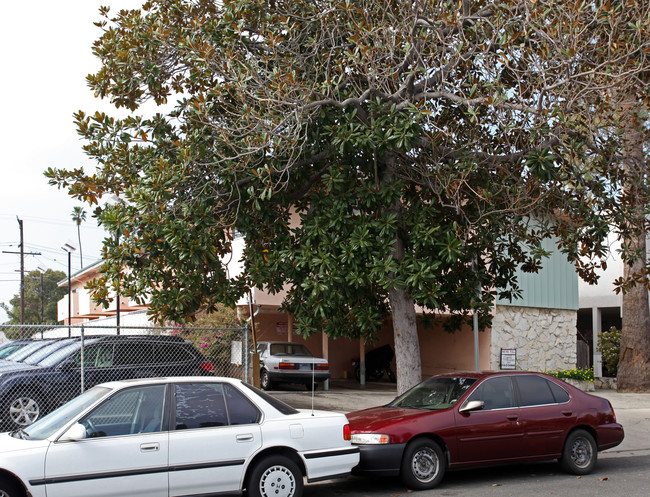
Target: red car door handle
[567, 413]
[512, 418]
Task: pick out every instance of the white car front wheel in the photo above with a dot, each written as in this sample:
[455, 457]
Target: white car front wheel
[8, 489]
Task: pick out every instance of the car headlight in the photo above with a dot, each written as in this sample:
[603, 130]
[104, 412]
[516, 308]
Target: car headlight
[370, 438]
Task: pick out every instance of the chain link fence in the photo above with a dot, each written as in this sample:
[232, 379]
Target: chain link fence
[42, 367]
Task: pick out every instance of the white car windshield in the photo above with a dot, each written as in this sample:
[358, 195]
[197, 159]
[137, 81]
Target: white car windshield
[50, 424]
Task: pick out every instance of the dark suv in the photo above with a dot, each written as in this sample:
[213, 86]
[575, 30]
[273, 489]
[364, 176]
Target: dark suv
[28, 391]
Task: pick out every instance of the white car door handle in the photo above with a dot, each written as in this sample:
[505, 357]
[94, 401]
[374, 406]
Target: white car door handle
[246, 437]
[153, 447]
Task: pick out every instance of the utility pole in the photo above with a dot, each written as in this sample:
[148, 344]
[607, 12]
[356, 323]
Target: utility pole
[22, 269]
[22, 272]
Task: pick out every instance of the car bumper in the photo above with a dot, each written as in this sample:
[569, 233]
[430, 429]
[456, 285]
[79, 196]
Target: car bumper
[609, 435]
[298, 376]
[379, 459]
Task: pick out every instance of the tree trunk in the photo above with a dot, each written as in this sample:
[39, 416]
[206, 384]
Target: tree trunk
[634, 361]
[407, 344]
[81, 254]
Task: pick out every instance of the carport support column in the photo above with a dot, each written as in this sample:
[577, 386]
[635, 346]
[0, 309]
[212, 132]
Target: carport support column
[326, 355]
[289, 327]
[596, 326]
[362, 361]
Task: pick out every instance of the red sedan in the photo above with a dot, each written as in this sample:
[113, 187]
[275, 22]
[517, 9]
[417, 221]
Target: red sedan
[461, 420]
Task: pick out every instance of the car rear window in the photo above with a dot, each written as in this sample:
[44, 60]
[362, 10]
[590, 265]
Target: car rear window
[275, 403]
[295, 349]
[241, 411]
[560, 394]
[133, 353]
[534, 391]
[170, 353]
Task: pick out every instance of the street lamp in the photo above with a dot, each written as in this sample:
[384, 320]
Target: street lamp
[69, 248]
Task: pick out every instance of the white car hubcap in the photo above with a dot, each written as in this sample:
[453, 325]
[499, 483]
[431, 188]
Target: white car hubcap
[277, 481]
[23, 411]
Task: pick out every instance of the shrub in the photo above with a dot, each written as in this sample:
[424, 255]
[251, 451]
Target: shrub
[609, 344]
[584, 374]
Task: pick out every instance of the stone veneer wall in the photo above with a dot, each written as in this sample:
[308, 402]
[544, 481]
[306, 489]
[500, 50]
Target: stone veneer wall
[545, 339]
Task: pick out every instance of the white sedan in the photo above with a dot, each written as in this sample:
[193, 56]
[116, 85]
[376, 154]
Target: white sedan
[189, 436]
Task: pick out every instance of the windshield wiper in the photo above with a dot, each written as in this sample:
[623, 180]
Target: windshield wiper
[22, 434]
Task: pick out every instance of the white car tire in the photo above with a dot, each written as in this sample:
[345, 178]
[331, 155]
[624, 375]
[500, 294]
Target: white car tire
[275, 476]
[8, 489]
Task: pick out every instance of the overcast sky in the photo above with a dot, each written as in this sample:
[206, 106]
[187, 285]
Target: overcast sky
[46, 55]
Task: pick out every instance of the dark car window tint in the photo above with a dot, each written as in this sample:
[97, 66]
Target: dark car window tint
[560, 394]
[241, 411]
[168, 353]
[496, 393]
[131, 411]
[135, 353]
[200, 405]
[534, 391]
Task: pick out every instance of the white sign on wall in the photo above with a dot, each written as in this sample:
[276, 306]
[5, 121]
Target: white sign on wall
[508, 358]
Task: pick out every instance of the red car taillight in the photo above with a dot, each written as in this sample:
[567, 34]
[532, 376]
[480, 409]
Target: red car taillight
[347, 434]
[612, 409]
[208, 366]
[287, 365]
[322, 367]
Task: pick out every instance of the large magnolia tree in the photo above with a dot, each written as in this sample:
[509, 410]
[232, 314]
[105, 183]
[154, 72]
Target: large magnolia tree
[424, 148]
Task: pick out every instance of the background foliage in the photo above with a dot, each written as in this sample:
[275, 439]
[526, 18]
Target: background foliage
[609, 344]
[374, 155]
[51, 295]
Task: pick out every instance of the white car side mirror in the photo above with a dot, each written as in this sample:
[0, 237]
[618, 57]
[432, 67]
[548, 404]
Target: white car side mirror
[76, 432]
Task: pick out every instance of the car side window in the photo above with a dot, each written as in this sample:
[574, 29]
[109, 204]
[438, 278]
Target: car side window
[129, 412]
[134, 353]
[241, 411]
[560, 394]
[496, 393]
[534, 391]
[171, 353]
[200, 405]
[96, 356]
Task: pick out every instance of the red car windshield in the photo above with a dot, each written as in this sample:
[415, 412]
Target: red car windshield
[434, 393]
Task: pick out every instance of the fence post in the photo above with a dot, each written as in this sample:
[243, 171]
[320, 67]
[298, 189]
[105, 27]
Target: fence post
[246, 353]
[83, 360]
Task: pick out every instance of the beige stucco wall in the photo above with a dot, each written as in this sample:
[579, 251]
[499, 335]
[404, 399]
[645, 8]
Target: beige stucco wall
[545, 339]
[441, 352]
